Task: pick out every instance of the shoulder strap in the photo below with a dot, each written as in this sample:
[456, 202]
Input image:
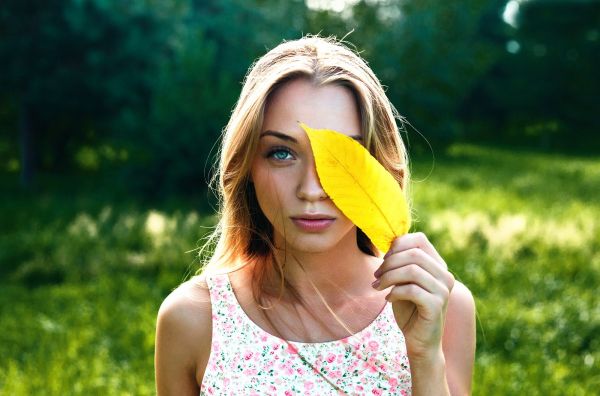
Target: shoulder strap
[225, 309]
[219, 294]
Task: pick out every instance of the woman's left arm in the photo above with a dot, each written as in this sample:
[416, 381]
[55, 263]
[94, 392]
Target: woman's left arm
[458, 341]
[435, 313]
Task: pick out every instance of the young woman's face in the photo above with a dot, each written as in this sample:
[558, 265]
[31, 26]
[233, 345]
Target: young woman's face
[283, 170]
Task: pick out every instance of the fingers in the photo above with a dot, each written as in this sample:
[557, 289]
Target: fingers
[412, 283]
[416, 256]
[413, 273]
[416, 240]
[429, 305]
[417, 273]
[409, 256]
[416, 248]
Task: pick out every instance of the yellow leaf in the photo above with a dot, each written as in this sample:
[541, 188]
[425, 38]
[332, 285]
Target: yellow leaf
[359, 186]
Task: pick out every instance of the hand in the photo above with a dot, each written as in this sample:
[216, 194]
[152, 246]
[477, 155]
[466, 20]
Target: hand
[421, 285]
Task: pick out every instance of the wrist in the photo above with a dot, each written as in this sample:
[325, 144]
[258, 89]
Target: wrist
[427, 357]
[428, 372]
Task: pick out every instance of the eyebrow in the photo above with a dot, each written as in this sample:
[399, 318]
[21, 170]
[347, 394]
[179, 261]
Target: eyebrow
[283, 136]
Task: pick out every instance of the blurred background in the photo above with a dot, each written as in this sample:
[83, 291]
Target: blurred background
[110, 116]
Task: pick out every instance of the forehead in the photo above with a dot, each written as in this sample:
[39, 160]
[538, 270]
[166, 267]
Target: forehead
[289, 137]
[325, 107]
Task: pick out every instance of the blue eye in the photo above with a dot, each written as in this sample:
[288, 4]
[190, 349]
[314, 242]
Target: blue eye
[279, 153]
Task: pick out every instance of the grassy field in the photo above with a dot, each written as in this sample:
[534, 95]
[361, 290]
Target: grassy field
[82, 274]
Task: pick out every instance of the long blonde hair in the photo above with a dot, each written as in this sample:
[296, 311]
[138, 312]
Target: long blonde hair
[243, 235]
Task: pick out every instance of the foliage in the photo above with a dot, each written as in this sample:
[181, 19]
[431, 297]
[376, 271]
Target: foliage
[70, 68]
[430, 55]
[144, 88]
[196, 89]
[541, 91]
[83, 274]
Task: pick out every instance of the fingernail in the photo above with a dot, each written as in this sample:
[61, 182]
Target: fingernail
[387, 254]
[376, 283]
[377, 273]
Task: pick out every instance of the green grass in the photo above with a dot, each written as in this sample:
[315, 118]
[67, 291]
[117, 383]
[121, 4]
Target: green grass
[522, 231]
[83, 274]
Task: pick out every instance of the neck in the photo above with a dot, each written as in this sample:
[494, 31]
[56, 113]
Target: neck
[339, 274]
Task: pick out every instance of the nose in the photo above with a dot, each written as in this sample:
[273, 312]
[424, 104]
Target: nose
[310, 188]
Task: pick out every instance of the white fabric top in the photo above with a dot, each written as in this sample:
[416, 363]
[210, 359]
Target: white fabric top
[247, 360]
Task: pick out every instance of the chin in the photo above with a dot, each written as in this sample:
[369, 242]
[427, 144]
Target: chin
[314, 243]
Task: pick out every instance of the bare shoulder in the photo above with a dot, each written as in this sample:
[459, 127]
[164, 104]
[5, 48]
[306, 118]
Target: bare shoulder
[183, 338]
[461, 297]
[460, 316]
[459, 339]
[187, 309]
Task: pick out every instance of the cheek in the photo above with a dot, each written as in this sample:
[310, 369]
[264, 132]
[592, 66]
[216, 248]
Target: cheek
[270, 192]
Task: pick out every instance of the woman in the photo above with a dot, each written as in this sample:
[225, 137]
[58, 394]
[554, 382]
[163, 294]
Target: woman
[287, 302]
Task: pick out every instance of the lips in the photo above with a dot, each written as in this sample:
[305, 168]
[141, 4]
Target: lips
[313, 216]
[313, 225]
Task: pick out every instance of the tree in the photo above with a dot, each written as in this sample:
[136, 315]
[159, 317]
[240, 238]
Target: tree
[71, 67]
[543, 90]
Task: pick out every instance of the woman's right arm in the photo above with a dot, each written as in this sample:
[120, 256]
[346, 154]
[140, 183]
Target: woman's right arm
[183, 339]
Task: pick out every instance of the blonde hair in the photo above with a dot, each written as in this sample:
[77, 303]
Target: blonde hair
[243, 235]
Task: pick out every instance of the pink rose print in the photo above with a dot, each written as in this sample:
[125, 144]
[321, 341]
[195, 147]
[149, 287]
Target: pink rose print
[330, 358]
[287, 367]
[250, 371]
[373, 345]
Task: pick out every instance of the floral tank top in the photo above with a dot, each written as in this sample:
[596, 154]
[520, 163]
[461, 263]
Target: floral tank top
[247, 360]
